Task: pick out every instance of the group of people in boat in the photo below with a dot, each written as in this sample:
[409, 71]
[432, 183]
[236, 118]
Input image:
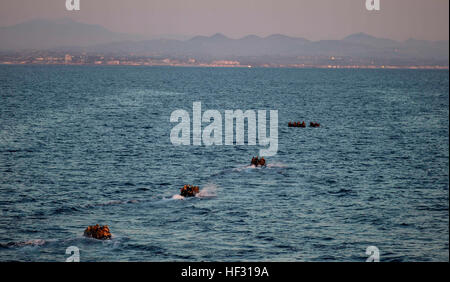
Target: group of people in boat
[189, 191]
[303, 124]
[98, 232]
[258, 162]
[297, 124]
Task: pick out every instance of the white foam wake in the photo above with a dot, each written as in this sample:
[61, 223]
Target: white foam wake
[210, 190]
[281, 165]
[177, 197]
[271, 165]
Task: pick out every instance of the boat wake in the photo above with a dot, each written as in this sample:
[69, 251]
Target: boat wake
[177, 197]
[114, 202]
[251, 167]
[209, 191]
[277, 165]
[31, 243]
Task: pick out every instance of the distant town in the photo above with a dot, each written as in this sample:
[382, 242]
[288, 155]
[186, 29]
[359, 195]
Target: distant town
[330, 62]
[67, 42]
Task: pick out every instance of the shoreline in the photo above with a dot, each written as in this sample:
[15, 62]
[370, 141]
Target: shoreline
[243, 66]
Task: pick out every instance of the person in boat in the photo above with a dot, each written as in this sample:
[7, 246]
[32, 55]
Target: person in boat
[255, 161]
[189, 191]
[262, 161]
[185, 191]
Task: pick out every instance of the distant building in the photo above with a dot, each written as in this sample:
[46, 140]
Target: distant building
[67, 59]
[226, 63]
[113, 62]
[83, 58]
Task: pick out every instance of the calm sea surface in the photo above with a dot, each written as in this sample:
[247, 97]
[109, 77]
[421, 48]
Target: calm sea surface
[86, 145]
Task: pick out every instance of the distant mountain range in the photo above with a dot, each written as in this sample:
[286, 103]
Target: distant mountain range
[71, 36]
[47, 34]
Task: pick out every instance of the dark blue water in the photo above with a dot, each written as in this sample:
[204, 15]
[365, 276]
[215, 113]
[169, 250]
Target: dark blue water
[87, 145]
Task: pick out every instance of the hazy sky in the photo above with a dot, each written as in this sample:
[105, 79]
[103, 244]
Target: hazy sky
[312, 19]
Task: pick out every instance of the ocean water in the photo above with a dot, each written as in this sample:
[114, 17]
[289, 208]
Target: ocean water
[82, 145]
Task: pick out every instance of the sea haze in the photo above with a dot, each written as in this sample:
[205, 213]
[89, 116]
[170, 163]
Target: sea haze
[69, 36]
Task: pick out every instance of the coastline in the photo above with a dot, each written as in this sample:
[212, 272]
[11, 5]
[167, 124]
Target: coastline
[412, 67]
